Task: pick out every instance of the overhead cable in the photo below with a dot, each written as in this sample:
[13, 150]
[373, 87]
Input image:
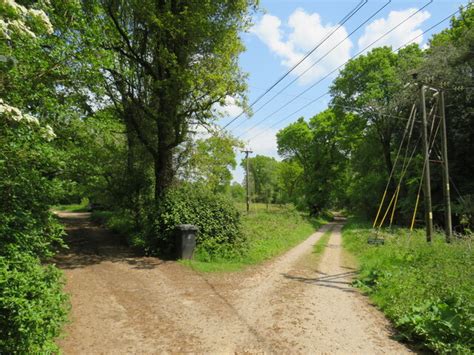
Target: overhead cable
[351, 13]
[340, 66]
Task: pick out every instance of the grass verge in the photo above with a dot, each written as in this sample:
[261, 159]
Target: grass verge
[426, 290]
[269, 234]
[321, 244]
[83, 206]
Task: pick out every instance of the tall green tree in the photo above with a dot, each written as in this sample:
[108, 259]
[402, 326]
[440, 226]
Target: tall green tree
[263, 176]
[321, 147]
[212, 160]
[290, 181]
[370, 84]
[169, 63]
[449, 64]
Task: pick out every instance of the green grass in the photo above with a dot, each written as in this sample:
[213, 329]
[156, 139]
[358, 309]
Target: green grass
[83, 206]
[321, 244]
[269, 234]
[262, 207]
[427, 290]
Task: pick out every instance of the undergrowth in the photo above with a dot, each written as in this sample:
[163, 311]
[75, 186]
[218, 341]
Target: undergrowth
[425, 289]
[83, 206]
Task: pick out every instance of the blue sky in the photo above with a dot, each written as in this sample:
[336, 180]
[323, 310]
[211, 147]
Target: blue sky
[285, 30]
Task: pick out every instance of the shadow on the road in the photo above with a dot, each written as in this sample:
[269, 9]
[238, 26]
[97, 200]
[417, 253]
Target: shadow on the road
[347, 267]
[254, 331]
[90, 244]
[338, 281]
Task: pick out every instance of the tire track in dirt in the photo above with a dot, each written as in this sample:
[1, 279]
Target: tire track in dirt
[123, 303]
[314, 309]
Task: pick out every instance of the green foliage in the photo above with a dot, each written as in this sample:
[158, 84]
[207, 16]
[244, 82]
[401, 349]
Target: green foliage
[449, 63]
[294, 141]
[122, 223]
[27, 185]
[464, 209]
[83, 206]
[84, 143]
[263, 178]
[211, 161]
[216, 217]
[290, 178]
[317, 152]
[371, 89]
[237, 192]
[167, 72]
[425, 289]
[456, 33]
[32, 305]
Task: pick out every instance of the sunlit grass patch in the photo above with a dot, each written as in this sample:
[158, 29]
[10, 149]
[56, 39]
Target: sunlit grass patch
[83, 206]
[269, 234]
[321, 244]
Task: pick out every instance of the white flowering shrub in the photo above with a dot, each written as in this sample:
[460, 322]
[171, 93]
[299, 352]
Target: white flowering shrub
[33, 306]
[16, 19]
[12, 114]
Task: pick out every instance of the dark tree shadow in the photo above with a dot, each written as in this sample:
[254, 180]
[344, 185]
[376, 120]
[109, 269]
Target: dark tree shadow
[341, 281]
[87, 243]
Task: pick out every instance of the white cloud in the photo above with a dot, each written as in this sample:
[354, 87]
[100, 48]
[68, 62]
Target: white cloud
[305, 32]
[400, 35]
[200, 131]
[230, 109]
[264, 142]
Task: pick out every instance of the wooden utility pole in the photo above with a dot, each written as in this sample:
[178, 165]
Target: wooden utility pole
[247, 152]
[444, 152]
[427, 176]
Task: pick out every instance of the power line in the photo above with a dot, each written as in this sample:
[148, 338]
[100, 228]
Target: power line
[408, 42]
[351, 13]
[340, 66]
[361, 109]
[291, 114]
[319, 60]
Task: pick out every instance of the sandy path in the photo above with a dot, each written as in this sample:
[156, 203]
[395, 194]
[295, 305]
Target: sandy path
[122, 303]
[311, 308]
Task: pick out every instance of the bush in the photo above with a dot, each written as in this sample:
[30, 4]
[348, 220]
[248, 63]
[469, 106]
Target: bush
[425, 289]
[216, 217]
[32, 305]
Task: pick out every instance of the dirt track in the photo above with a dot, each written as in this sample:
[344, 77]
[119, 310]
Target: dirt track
[122, 303]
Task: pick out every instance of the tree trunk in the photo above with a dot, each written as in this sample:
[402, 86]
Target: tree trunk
[134, 197]
[163, 170]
